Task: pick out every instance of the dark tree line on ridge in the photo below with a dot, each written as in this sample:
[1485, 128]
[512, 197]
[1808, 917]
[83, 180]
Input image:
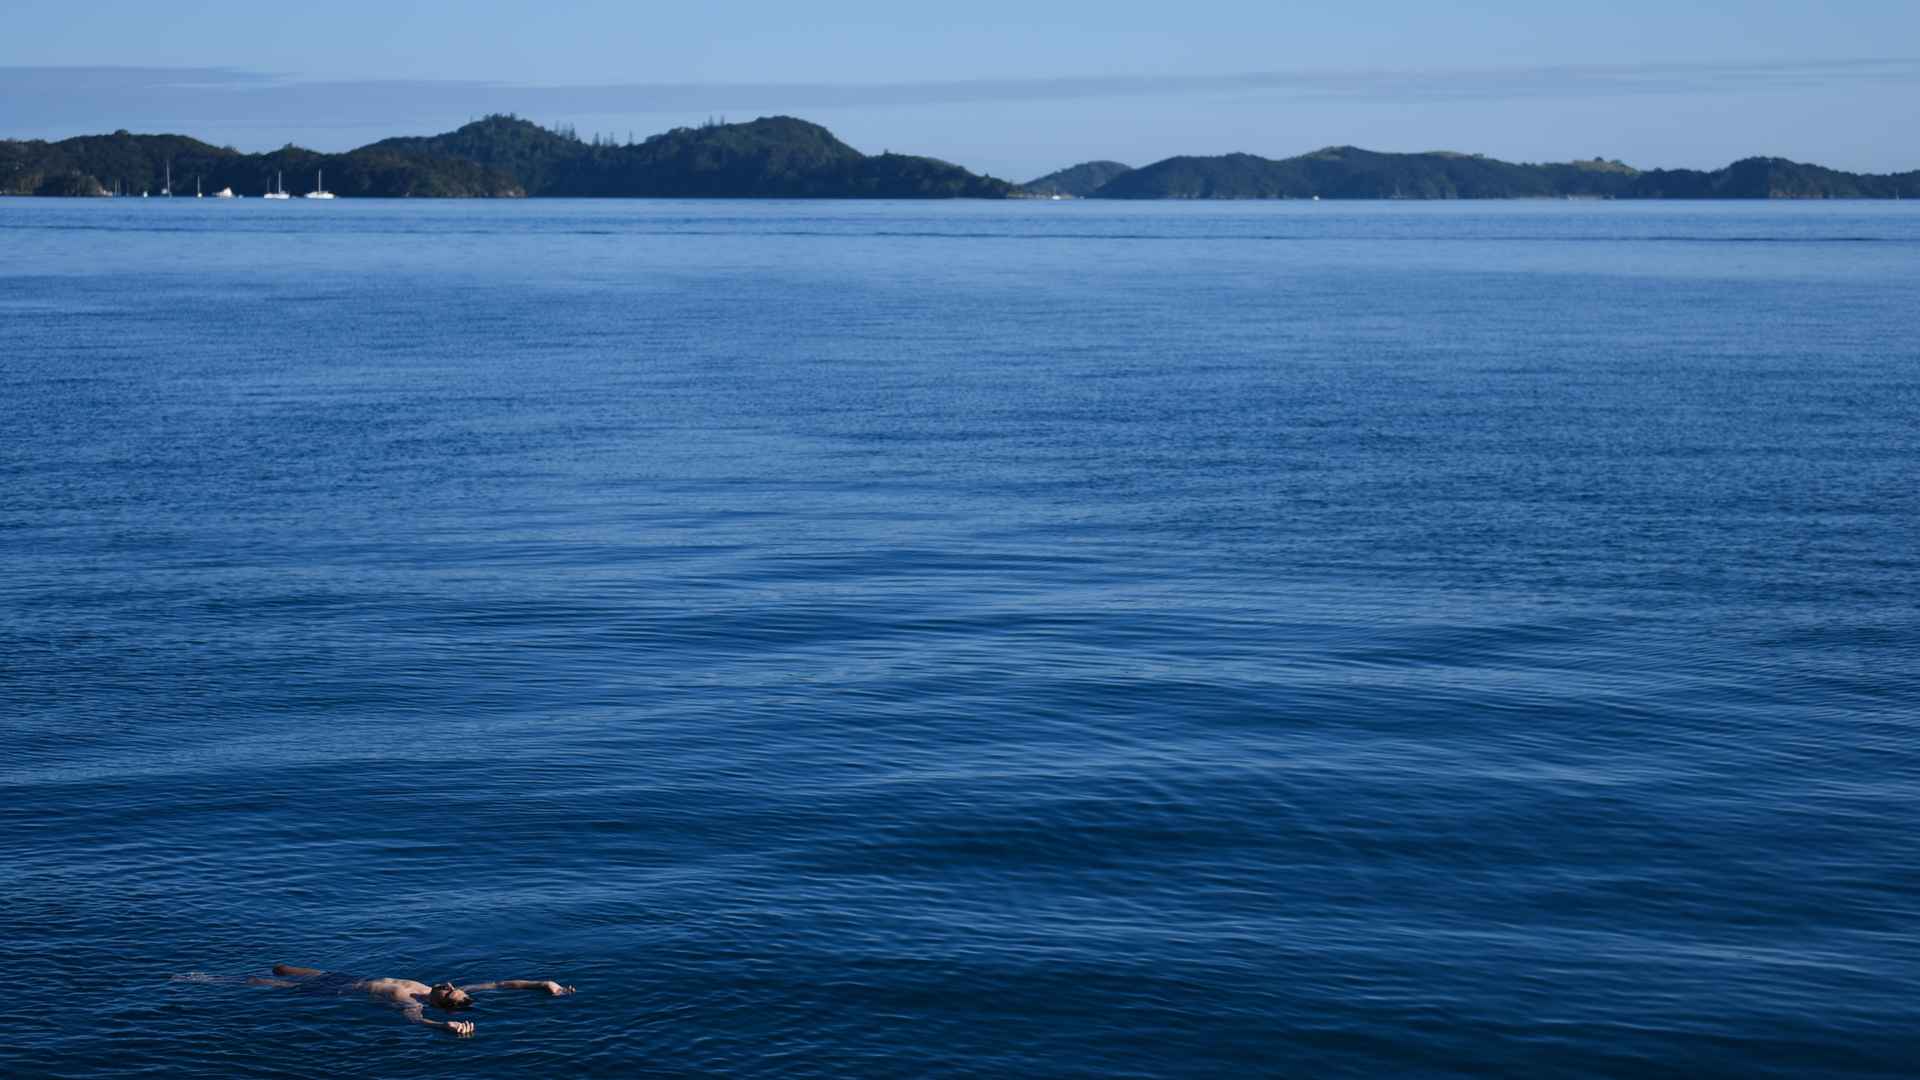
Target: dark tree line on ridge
[502, 156]
[1345, 172]
[782, 157]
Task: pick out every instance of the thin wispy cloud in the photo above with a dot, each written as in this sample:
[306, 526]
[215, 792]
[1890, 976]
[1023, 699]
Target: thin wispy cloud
[43, 100]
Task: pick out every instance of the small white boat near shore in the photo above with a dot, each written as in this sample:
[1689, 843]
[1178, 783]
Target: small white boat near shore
[319, 186]
[279, 190]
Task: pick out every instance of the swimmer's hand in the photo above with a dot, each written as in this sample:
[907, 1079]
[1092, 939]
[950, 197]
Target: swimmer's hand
[418, 1015]
[555, 989]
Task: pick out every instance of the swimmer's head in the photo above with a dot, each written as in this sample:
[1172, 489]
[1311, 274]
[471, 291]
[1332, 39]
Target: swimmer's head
[449, 997]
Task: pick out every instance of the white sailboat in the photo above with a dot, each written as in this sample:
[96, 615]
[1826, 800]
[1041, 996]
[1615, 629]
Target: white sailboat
[279, 191]
[168, 190]
[319, 186]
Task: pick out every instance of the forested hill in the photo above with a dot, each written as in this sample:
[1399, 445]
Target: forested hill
[770, 157]
[1077, 180]
[1772, 178]
[505, 156]
[1345, 172]
[131, 164]
[782, 157]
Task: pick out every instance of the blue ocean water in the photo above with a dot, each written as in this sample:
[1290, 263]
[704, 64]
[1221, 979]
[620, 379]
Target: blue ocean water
[962, 639]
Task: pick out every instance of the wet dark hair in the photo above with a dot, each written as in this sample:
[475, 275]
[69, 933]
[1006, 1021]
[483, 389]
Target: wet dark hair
[441, 997]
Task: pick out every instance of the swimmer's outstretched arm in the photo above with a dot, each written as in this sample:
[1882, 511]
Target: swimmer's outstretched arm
[549, 986]
[462, 1028]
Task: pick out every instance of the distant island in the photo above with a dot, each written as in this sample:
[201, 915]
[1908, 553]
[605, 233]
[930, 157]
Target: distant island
[503, 156]
[1076, 181]
[1346, 172]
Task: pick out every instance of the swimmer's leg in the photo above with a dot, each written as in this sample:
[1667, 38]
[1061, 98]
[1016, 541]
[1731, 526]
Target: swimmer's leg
[289, 969]
[260, 981]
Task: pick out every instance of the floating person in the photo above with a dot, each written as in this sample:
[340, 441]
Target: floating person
[413, 997]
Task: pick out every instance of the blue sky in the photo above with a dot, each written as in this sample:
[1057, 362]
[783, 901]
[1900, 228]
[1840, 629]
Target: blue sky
[1015, 89]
